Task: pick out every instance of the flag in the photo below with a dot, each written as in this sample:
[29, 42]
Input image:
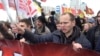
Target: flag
[81, 13]
[69, 10]
[64, 9]
[31, 8]
[89, 10]
[1, 6]
[26, 8]
[73, 11]
[39, 9]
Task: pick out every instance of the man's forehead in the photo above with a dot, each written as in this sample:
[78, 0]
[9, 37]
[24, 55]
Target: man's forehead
[64, 17]
[22, 23]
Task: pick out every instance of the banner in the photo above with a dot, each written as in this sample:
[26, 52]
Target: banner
[15, 48]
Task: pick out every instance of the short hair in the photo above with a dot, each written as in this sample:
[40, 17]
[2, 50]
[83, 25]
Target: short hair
[26, 21]
[72, 17]
[41, 19]
[98, 13]
[52, 12]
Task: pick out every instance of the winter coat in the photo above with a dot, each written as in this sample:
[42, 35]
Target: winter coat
[93, 35]
[42, 30]
[97, 47]
[59, 37]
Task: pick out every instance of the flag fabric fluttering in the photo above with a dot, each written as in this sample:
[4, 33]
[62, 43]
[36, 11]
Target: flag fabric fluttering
[81, 13]
[89, 10]
[1, 6]
[26, 8]
[31, 8]
[38, 8]
[69, 10]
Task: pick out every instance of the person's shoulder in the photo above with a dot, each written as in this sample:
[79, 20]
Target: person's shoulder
[57, 32]
[47, 29]
[92, 29]
[82, 34]
[81, 37]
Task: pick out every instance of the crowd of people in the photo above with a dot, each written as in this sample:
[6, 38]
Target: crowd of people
[67, 29]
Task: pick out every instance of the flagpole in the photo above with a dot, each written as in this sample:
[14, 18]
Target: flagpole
[32, 22]
[17, 17]
[30, 15]
[6, 6]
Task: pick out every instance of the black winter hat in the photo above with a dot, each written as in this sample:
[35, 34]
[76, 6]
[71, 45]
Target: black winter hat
[42, 19]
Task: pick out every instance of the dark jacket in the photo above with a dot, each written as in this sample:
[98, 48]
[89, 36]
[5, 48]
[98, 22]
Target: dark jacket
[93, 35]
[78, 22]
[42, 30]
[51, 24]
[59, 37]
[97, 48]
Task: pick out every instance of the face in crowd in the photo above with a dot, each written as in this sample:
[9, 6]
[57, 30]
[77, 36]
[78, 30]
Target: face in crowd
[14, 28]
[67, 22]
[25, 24]
[38, 23]
[58, 26]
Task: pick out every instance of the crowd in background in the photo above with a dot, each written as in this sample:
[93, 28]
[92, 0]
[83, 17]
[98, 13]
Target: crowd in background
[89, 27]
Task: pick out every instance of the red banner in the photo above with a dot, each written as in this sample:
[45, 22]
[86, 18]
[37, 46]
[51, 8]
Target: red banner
[15, 48]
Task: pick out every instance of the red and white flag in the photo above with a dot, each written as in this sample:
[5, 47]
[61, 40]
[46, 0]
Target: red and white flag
[26, 7]
[31, 8]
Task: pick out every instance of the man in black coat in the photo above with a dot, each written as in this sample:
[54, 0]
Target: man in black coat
[93, 35]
